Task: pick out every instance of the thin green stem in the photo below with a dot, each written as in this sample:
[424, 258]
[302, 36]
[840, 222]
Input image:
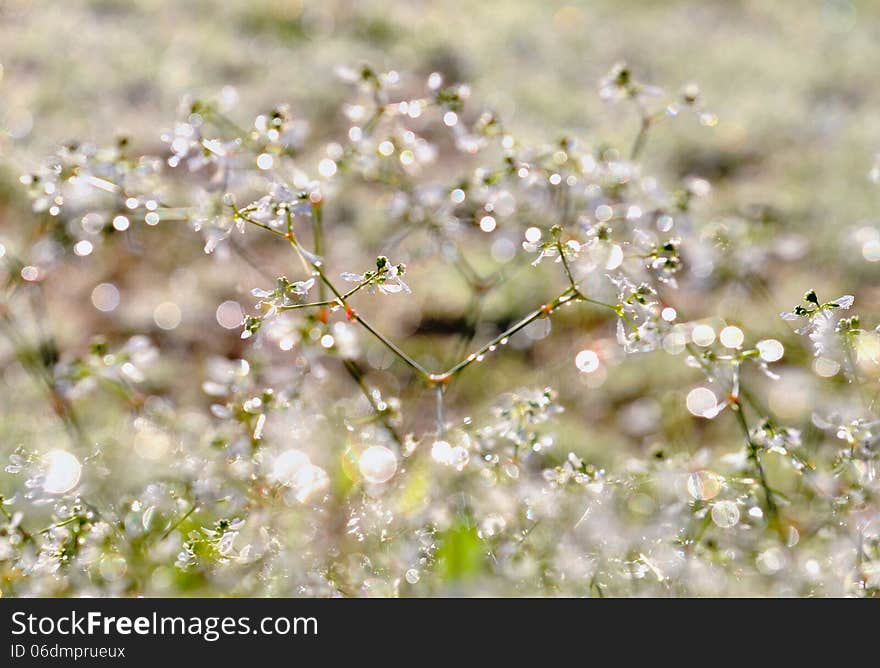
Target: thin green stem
[179, 522]
[409, 361]
[567, 295]
[243, 215]
[568, 273]
[755, 457]
[63, 523]
[646, 120]
[641, 138]
[441, 421]
[357, 375]
[293, 307]
[318, 231]
[328, 302]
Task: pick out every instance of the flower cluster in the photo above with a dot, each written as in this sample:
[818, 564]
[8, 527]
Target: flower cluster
[309, 465]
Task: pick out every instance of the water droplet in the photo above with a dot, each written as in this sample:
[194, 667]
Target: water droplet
[731, 337]
[62, 472]
[871, 251]
[441, 452]
[105, 297]
[229, 314]
[770, 350]
[771, 561]
[701, 401]
[167, 315]
[327, 168]
[604, 213]
[586, 361]
[377, 464]
[703, 335]
[704, 485]
[265, 161]
[83, 248]
[725, 514]
[615, 257]
[826, 367]
[30, 273]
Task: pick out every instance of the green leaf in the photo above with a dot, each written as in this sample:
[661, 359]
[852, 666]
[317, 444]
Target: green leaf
[461, 555]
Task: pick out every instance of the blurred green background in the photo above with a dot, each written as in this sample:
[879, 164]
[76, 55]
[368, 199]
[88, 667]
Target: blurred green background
[794, 85]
